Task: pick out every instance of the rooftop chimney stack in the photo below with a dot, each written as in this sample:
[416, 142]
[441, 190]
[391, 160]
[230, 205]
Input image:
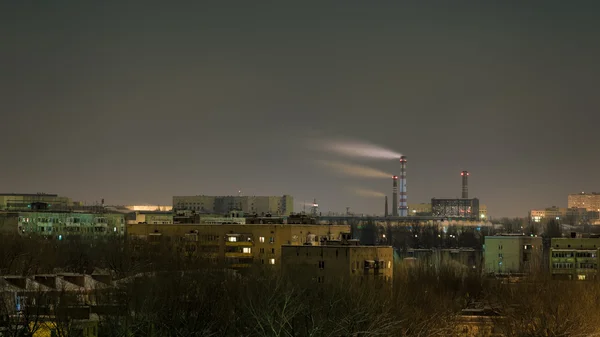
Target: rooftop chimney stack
[395, 196]
[465, 184]
[386, 207]
[403, 196]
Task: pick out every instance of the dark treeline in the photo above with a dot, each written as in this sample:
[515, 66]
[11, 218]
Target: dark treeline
[422, 236]
[207, 300]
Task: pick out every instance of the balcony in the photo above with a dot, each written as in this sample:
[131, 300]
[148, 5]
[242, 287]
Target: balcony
[238, 254]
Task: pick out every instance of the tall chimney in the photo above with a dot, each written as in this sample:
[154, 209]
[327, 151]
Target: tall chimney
[403, 203]
[395, 196]
[386, 207]
[465, 184]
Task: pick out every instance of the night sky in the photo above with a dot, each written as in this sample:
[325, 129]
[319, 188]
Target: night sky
[136, 103]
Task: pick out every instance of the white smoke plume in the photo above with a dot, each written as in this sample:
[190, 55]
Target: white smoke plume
[358, 149]
[354, 170]
[367, 193]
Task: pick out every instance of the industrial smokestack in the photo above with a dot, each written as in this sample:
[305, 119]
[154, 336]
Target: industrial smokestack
[386, 207]
[403, 199]
[395, 196]
[465, 184]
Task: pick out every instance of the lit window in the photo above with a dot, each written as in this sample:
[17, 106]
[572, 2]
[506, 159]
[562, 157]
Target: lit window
[261, 239]
[232, 239]
[246, 250]
[271, 261]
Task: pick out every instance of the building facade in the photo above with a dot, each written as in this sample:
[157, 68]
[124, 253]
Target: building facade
[569, 216]
[64, 224]
[589, 201]
[275, 205]
[456, 208]
[236, 245]
[25, 202]
[510, 254]
[335, 262]
[150, 217]
[574, 258]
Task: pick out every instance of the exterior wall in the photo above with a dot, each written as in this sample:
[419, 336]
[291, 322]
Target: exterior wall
[275, 205]
[22, 201]
[253, 243]
[150, 217]
[337, 262]
[589, 201]
[575, 258]
[511, 253]
[71, 223]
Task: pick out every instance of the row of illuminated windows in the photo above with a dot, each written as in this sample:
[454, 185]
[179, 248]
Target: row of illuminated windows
[573, 254]
[567, 265]
[57, 220]
[260, 239]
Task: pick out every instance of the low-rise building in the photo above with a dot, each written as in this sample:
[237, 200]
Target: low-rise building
[237, 245]
[61, 224]
[512, 253]
[31, 201]
[575, 258]
[337, 261]
[150, 217]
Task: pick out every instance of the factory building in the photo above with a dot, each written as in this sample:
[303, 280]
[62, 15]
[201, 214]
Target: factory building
[261, 205]
[575, 258]
[25, 202]
[337, 261]
[589, 201]
[456, 208]
[237, 245]
[512, 254]
[61, 224]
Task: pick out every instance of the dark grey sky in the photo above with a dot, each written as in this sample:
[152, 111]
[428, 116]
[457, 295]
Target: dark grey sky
[134, 103]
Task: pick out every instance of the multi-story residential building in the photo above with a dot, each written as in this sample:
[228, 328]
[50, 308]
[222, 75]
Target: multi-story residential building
[509, 254]
[24, 202]
[261, 205]
[589, 201]
[62, 224]
[574, 258]
[234, 244]
[337, 261]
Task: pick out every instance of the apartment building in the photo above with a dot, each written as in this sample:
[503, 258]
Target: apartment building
[510, 254]
[66, 223]
[574, 258]
[237, 245]
[589, 201]
[337, 261]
